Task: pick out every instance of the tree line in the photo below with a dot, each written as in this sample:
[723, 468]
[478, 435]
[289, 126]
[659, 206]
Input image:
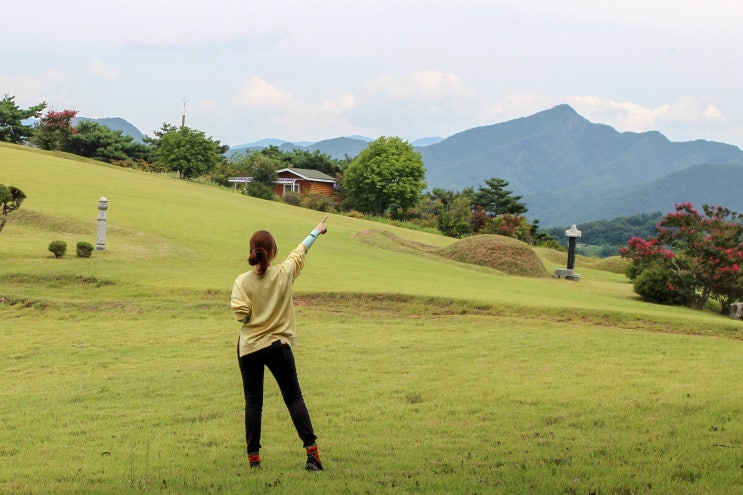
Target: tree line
[386, 179]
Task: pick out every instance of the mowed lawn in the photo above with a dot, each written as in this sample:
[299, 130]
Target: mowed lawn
[422, 376]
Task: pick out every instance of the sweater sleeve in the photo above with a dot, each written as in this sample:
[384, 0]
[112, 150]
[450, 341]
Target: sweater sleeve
[241, 305]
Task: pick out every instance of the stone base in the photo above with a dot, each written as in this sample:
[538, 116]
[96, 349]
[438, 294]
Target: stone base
[736, 311]
[566, 273]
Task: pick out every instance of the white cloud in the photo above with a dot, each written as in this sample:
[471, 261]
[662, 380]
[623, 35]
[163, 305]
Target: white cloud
[101, 71]
[30, 90]
[260, 94]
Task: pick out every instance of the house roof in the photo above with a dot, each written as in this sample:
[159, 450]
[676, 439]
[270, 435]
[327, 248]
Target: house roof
[307, 174]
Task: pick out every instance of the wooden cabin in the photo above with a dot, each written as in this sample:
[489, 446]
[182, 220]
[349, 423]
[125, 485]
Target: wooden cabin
[303, 181]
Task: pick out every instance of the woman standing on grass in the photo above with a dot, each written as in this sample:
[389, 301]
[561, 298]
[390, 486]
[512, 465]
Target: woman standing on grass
[262, 302]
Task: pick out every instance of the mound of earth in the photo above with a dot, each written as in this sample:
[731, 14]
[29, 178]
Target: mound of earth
[502, 253]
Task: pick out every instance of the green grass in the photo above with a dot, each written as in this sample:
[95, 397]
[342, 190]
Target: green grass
[422, 374]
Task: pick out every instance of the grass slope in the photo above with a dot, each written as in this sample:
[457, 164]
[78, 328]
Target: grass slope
[423, 374]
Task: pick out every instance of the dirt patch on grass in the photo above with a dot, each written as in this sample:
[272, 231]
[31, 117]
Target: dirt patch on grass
[52, 223]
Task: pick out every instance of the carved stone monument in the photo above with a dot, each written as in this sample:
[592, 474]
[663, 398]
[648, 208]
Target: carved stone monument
[100, 242]
[568, 273]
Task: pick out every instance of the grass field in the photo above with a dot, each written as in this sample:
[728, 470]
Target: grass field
[422, 374]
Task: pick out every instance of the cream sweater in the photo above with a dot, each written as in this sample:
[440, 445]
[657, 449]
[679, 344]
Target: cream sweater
[264, 303]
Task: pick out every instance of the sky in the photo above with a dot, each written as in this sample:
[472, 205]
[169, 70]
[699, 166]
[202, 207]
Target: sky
[310, 70]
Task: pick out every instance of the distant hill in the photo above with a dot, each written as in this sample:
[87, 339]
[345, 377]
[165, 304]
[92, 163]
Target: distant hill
[338, 148]
[569, 169]
[117, 124]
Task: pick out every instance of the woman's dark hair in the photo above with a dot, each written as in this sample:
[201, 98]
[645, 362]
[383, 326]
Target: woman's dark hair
[262, 250]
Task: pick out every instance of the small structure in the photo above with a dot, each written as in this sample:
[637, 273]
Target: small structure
[100, 242]
[299, 180]
[567, 273]
[303, 181]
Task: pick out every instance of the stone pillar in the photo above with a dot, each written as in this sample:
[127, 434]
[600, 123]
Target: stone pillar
[567, 273]
[100, 243]
[572, 233]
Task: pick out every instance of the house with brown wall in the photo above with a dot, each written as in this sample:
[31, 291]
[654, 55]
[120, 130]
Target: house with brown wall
[304, 181]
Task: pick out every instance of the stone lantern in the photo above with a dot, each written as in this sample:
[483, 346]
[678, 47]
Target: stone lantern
[567, 273]
[100, 243]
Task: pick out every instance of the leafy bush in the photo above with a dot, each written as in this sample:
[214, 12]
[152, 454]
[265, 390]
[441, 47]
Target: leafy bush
[655, 284]
[58, 248]
[292, 198]
[84, 249]
[355, 214]
[319, 202]
[260, 191]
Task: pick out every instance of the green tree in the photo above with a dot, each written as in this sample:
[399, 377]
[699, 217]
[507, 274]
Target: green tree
[54, 129]
[496, 200]
[100, 142]
[455, 219]
[10, 199]
[697, 255]
[189, 152]
[12, 128]
[312, 160]
[387, 177]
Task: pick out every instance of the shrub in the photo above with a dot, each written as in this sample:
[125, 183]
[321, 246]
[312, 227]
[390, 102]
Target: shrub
[84, 249]
[292, 198]
[260, 191]
[319, 202]
[655, 284]
[355, 214]
[58, 248]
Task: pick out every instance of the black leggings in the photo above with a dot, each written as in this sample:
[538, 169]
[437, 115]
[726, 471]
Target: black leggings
[279, 359]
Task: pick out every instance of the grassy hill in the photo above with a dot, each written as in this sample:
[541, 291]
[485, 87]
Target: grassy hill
[423, 373]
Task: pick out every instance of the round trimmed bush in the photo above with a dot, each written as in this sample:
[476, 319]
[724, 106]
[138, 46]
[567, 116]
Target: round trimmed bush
[84, 249]
[58, 248]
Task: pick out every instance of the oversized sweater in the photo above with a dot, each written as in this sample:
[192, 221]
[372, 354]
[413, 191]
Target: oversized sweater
[263, 303]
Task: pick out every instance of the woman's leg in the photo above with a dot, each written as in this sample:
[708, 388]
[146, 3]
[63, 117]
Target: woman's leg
[251, 369]
[282, 366]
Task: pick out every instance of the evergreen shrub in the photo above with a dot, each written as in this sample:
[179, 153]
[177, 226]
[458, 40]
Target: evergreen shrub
[84, 249]
[58, 248]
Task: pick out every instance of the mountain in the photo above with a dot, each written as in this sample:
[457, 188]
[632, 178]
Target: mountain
[426, 141]
[568, 168]
[699, 184]
[338, 148]
[117, 124]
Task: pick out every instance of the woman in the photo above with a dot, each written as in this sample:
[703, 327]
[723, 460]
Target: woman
[262, 301]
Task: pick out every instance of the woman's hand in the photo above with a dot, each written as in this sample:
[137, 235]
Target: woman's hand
[321, 227]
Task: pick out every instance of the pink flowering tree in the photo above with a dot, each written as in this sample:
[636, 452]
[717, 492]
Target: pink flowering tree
[695, 257]
[54, 128]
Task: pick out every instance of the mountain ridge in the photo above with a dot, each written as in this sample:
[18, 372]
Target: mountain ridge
[567, 168]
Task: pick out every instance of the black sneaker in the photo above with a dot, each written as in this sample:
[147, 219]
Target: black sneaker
[313, 459]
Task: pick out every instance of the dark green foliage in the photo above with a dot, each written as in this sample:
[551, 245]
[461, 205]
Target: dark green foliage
[496, 200]
[10, 199]
[96, 141]
[58, 248]
[655, 284]
[260, 191]
[12, 128]
[318, 202]
[188, 152]
[612, 233]
[84, 249]
[455, 218]
[292, 198]
[386, 178]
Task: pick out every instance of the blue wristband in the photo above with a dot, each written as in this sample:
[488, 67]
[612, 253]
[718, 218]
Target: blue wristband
[310, 239]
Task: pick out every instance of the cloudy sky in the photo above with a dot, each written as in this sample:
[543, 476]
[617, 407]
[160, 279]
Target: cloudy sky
[309, 70]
